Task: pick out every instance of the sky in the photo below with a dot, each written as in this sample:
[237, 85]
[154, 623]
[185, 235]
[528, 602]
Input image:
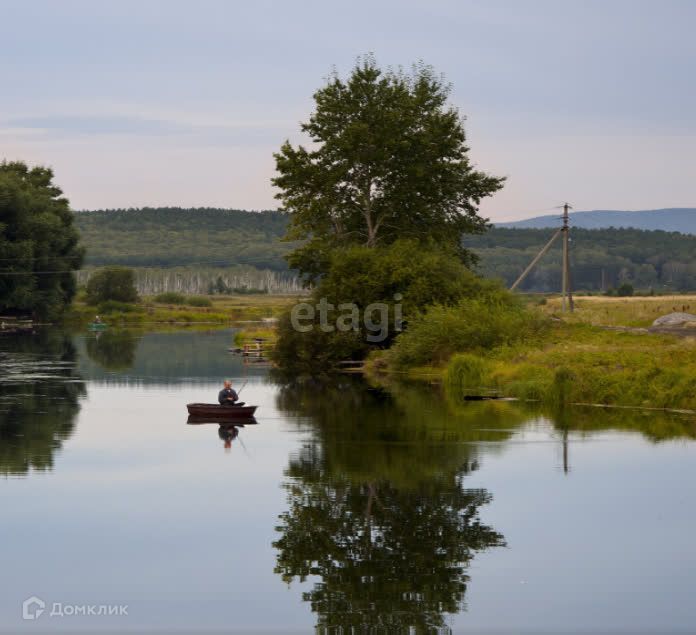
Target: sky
[154, 103]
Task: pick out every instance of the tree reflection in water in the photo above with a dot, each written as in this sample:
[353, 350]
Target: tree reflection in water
[39, 399]
[378, 509]
[112, 349]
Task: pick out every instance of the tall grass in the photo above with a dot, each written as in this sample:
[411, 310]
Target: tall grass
[579, 364]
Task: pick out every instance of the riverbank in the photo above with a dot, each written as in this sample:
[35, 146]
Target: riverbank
[581, 358]
[222, 310]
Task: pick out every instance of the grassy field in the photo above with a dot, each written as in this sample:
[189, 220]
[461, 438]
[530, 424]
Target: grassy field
[632, 312]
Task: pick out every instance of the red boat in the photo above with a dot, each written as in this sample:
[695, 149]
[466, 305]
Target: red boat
[220, 412]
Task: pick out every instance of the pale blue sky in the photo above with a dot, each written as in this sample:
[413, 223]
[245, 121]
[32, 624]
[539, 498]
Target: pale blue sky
[183, 103]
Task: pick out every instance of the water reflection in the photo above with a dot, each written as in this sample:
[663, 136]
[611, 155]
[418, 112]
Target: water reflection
[123, 357]
[112, 350]
[39, 400]
[378, 507]
[655, 425]
[227, 434]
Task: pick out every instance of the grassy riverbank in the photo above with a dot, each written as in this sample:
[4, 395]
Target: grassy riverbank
[579, 360]
[222, 310]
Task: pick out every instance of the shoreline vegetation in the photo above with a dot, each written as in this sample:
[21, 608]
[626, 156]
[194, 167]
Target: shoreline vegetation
[602, 354]
[179, 310]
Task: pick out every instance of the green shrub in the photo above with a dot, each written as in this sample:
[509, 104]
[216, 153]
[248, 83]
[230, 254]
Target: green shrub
[198, 300]
[405, 274]
[625, 290]
[112, 283]
[314, 352]
[170, 297]
[471, 326]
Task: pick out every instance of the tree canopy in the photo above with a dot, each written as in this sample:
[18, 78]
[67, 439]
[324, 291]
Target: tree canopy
[112, 283]
[404, 276]
[39, 248]
[388, 160]
[174, 236]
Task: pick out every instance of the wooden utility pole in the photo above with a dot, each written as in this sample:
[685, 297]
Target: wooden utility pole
[566, 293]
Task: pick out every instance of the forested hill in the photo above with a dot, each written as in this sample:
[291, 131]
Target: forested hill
[172, 236]
[218, 238]
[601, 258]
[675, 219]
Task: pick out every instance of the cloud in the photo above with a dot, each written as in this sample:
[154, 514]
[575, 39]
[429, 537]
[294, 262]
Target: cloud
[100, 124]
[61, 126]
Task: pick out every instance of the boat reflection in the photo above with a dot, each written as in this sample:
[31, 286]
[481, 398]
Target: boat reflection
[223, 421]
[227, 431]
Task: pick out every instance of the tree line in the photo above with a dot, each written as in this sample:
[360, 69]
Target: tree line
[601, 259]
[174, 236]
[206, 239]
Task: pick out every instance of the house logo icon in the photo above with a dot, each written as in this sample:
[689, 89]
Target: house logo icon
[32, 608]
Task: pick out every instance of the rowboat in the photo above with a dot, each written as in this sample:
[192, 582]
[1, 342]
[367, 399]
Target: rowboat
[97, 326]
[220, 412]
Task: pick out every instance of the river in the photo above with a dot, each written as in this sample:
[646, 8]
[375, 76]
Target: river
[346, 506]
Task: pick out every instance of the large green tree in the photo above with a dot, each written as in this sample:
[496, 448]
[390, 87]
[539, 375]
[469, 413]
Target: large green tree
[39, 248]
[112, 283]
[388, 160]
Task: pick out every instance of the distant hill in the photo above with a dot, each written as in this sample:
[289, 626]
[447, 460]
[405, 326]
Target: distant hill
[675, 219]
[206, 241]
[172, 236]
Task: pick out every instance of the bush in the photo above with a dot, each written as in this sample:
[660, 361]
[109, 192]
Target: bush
[471, 326]
[170, 297]
[314, 352]
[198, 300]
[112, 283]
[625, 290]
[405, 273]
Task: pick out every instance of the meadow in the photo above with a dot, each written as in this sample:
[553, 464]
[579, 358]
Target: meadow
[635, 311]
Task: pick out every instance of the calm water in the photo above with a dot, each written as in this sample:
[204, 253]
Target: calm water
[344, 507]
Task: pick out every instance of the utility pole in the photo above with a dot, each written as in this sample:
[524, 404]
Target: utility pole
[537, 258]
[566, 293]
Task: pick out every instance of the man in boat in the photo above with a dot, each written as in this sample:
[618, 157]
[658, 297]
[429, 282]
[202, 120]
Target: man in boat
[227, 396]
